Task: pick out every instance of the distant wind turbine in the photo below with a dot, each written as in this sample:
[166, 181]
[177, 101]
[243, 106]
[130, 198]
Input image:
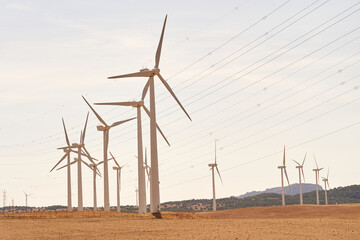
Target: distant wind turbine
[301, 171]
[154, 183]
[212, 166]
[118, 182]
[326, 182]
[283, 170]
[80, 146]
[317, 176]
[67, 155]
[141, 170]
[26, 198]
[105, 128]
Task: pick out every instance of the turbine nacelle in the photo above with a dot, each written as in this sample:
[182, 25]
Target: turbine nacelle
[281, 167]
[212, 164]
[102, 128]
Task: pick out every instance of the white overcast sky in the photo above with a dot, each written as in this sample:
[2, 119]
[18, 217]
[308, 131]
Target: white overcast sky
[257, 75]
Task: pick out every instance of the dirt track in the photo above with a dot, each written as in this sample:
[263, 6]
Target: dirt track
[294, 222]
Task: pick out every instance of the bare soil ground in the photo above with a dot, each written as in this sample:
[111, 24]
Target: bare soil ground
[291, 222]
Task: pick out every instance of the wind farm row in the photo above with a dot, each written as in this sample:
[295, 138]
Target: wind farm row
[228, 123]
[105, 128]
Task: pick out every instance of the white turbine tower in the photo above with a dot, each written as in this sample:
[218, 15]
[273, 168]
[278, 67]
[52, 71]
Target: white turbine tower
[317, 176]
[301, 171]
[154, 183]
[118, 182]
[283, 170]
[326, 182]
[105, 128]
[141, 169]
[212, 166]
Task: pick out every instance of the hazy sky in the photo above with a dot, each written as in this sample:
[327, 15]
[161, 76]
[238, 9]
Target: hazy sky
[257, 75]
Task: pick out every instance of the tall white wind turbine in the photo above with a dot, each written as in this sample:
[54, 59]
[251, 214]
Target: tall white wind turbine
[283, 170]
[154, 183]
[141, 169]
[105, 128]
[81, 151]
[317, 176]
[212, 166]
[301, 171]
[118, 182]
[326, 182]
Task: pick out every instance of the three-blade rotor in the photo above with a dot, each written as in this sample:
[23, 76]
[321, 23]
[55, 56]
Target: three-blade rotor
[154, 72]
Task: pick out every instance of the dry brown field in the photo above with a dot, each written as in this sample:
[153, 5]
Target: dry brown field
[290, 222]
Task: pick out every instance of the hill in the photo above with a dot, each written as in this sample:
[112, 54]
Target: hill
[293, 189]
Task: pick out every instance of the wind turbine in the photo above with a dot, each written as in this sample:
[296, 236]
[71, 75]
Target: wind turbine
[26, 198]
[80, 146]
[105, 128]
[326, 182]
[317, 176]
[141, 169]
[212, 166]
[154, 183]
[67, 155]
[118, 182]
[301, 171]
[283, 169]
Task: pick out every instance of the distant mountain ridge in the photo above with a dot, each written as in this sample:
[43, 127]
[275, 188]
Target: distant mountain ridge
[293, 189]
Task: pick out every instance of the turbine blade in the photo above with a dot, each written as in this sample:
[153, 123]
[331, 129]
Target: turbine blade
[327, 177]
[114, 159]
[321, 169]
[158, 51]
[296, 162]
[132, 104]
[328, 183]
[88, 155]
[284, 156]
[101, 162]
[146, 157]
[317, 167]
[145, 90]
[66, 165]
[83, 133]
[219, 174]
[286, 176]
[146, 73]
[121, 122]
[66, 154]
[173, 94]
[215, 154]
[304, 160]
[96, 114]
[302, 171]
[86, 164]
[157, 126]
[66, 136]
